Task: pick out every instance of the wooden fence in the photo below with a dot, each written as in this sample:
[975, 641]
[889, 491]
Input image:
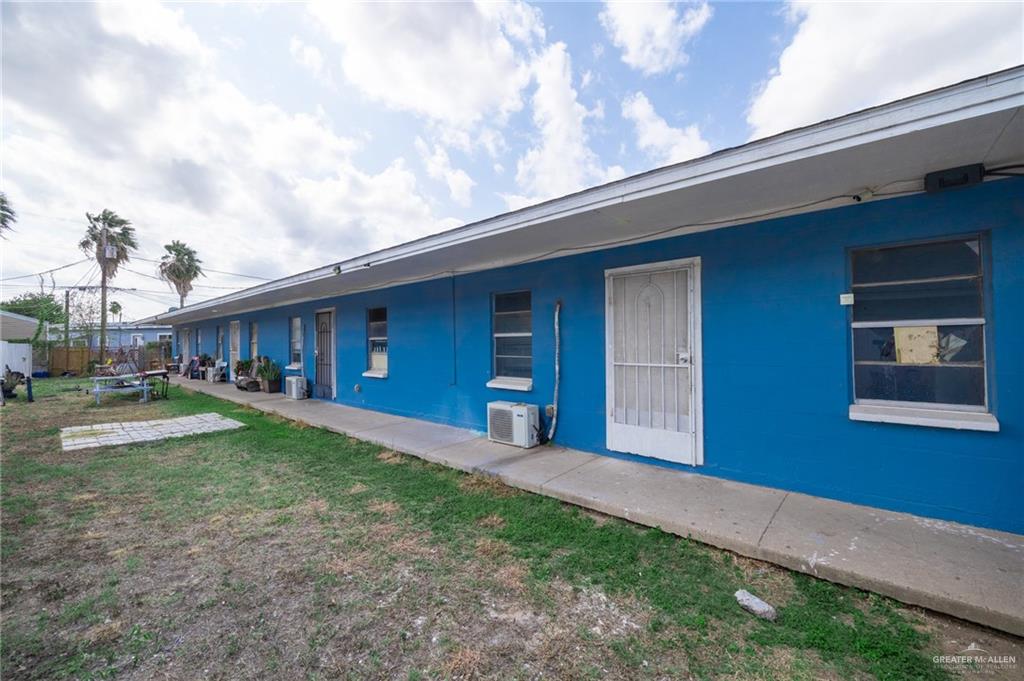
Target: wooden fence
[78, 360]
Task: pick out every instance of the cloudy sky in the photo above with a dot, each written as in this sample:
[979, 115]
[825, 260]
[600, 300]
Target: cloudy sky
[278, 137]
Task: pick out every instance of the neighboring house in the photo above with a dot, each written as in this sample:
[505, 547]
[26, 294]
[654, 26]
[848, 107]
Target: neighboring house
[797, 312]
[15, 326]
[119, 334]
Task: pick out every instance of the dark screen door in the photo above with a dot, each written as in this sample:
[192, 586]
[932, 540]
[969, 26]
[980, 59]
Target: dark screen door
[324, 386]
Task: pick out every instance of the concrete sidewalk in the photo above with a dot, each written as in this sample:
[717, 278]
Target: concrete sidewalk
[969, 572]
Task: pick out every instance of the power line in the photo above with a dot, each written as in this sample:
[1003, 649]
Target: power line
[150, 276]
[206, 269]
[55, 269]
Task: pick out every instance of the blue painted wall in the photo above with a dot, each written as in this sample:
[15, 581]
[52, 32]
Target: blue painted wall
[116, 336]
[777, 383]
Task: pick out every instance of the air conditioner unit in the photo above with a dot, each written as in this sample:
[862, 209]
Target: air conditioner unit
[295, 387]
[513, 423]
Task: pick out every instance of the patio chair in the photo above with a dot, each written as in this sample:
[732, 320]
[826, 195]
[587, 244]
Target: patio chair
[219, 372]
[249, 382]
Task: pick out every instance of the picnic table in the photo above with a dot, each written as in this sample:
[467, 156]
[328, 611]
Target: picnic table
[138, 382]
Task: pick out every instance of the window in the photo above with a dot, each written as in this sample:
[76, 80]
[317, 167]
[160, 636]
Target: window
[512, 327]
[254, 340]
[296, 343]
[919, 326]
[163, 337]
[377, 342]
[137, 340]
[199, 341]
[220, 343]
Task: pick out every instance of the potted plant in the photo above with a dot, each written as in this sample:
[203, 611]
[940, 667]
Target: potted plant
[270, 376]
[242, 367]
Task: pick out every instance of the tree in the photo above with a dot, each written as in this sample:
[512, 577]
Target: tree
[180, 267]
[7, 215]
[110, 239]
[115, 309]
[42, 306]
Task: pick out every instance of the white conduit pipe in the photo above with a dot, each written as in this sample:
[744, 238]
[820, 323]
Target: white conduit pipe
[558, 362]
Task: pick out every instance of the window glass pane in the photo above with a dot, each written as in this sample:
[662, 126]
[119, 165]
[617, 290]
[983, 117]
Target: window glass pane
[920, 261]
[378, 314]
[512, 322]
[931, 300]
[512, 302]
[874, 345]
[513, 367]
[515, 346]
[378, 330]
[921, 383]
[962, 343]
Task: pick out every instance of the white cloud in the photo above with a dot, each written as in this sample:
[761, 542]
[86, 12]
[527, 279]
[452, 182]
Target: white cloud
[309, 57]
[655, 137]
[189, 156]
[448, 62]
[561, 162]
[439, 167]
[848, 56]
[651, 35]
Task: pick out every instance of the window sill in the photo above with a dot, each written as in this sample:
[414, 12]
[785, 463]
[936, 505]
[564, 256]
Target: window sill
[934, 418]
[520, 384]
[374, 373]
[293, 367]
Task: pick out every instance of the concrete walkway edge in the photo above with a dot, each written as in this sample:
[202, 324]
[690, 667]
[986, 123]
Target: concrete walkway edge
[972, 573]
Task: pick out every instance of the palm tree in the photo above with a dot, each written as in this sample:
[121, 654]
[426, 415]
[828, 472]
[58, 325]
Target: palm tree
[180, 267]
[7, 215]
[115, 309]
[110, 239]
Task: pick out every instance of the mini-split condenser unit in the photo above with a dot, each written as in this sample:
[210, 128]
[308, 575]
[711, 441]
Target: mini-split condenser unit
[513, 423]
[295, 387]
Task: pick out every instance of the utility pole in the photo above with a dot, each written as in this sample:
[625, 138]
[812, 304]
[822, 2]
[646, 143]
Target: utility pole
[103, 297]
[67, 328]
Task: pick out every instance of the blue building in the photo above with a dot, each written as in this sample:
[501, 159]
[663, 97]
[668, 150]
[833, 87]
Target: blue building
[119, 334]
[837, 310]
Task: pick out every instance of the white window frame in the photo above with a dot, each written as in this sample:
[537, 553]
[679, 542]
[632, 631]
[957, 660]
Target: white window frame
[938, 415]
[509, 382]
[141, 340]
[161, 337]
[293, 337]
[372, 372]
[254, 340]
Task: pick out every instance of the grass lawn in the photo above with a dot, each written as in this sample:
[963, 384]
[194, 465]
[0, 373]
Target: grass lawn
[284, 552]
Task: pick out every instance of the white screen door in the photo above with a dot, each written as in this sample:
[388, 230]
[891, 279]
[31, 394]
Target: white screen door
[653, 360]
[235, 345]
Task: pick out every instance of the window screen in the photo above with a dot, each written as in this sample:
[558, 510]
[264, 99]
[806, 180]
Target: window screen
[513, 335]
[919, 324]
[377, 338]
[296, 342]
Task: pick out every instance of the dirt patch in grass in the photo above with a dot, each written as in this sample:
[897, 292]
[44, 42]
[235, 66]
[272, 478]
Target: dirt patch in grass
[488, 485]
[390, 456]
[384, 507]
[491, 521]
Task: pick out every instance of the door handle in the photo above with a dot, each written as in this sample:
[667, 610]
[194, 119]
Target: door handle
[683, 358]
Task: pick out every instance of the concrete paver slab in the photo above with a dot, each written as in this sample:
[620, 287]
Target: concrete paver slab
[128, 432]
[975, 573]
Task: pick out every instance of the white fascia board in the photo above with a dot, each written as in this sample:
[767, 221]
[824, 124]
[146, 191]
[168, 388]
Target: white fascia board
[987, 94]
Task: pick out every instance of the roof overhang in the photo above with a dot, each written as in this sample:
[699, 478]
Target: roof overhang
[871, 154]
